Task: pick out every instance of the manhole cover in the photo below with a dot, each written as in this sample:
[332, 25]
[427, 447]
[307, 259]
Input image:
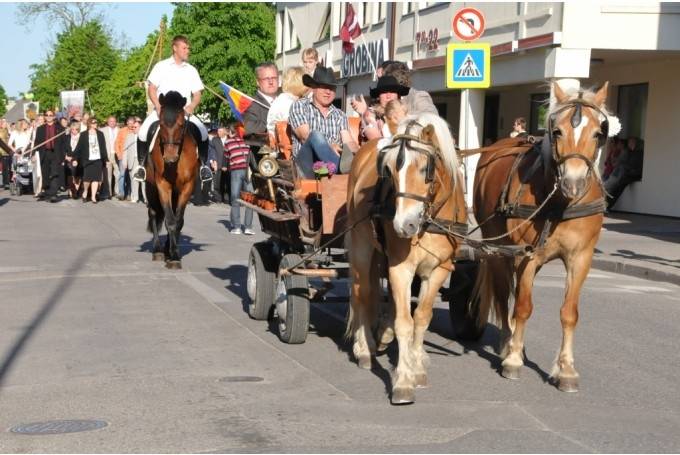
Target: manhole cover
[242, 379]
[59, 426]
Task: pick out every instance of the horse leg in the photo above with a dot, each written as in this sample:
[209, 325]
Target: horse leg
[385, 331]
[422, 316]
[577, 267]
[360, 302]
[513, 361]
[165, 196]
[154, 226]
[403, 381]
[180, 203]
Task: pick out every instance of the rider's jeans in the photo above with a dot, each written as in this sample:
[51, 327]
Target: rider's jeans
[238, 184]
[315, 148]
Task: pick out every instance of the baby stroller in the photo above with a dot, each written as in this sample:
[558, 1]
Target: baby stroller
[22, 174]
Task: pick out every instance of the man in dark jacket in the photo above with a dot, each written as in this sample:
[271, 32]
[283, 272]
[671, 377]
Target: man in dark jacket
[52, 156]
[216, 158]
[255, 118]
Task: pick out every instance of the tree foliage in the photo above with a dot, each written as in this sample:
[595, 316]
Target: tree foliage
[124, 94]
[68, 15]
[228, 40]
[3, 100]
[83, 58]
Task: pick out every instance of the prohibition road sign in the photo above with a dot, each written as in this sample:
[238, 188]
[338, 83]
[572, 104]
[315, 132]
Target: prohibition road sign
[468, 24]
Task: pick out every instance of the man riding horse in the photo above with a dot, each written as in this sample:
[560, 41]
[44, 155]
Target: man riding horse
[175, 74]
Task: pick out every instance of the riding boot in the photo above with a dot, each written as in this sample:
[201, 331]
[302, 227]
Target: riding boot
[204, 171]
[142, 152]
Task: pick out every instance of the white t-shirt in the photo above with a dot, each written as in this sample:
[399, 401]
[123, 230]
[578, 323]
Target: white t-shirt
[20, 139]
[183, 78]
[279, 110]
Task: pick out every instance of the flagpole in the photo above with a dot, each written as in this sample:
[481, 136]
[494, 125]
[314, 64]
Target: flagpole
[225, 100]
[363, 40]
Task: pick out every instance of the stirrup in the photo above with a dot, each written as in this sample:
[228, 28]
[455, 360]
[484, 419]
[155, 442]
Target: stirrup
[140, 175]
[208, 175]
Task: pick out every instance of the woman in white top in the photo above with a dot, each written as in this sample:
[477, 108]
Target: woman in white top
[20, 138]
[293, 89]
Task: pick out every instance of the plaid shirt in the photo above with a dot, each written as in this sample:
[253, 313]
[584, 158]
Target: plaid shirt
[303, 111]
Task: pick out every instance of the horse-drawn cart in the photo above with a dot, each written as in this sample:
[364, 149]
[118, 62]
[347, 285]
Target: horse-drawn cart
[306, 222]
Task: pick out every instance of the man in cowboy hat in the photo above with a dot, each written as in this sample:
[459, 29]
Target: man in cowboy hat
[321, 131]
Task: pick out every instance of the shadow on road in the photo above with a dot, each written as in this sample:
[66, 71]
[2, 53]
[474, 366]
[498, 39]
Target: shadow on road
[4, 201]
[185, 245]
[235, 276]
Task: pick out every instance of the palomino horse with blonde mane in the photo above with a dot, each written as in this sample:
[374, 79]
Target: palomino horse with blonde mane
[549, 196]
[416, 178]
[170, 176]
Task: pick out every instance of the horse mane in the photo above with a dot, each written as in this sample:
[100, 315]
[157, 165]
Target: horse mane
[172, 103]
[446, 145]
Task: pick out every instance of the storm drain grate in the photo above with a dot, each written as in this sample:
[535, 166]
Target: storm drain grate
[242, 379]
[59, 426]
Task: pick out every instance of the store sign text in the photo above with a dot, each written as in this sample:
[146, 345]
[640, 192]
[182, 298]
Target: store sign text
[358, 61]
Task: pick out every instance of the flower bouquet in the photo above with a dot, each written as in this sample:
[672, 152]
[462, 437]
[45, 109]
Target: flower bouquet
[323, 169]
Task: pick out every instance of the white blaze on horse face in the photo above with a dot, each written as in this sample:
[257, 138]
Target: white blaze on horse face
[408, 211]
[575, 169]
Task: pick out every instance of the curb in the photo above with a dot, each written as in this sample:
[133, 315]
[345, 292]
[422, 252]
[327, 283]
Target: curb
[638, 271]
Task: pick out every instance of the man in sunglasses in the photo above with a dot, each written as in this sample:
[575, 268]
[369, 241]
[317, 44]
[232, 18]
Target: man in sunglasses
[52, 157]
[175, 74]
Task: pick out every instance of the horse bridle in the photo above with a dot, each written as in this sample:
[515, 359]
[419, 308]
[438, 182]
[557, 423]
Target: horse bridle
[401, 141]
[575, 120]
[179, 143]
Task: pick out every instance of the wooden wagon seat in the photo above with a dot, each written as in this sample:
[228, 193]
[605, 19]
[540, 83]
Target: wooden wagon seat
[283, 139]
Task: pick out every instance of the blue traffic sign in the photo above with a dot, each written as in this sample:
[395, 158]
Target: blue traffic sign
[468, 65]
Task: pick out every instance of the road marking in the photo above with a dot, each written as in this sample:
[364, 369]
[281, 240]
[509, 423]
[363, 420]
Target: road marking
[19, 269]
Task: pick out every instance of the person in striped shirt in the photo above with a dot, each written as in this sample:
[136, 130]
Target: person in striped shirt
[237, 152]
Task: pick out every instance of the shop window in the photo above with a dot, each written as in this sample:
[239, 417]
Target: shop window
[538, 113]
[632, 110]
[442, 109]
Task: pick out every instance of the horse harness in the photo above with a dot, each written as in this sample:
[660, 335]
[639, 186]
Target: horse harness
[180, 143]
[547, 158]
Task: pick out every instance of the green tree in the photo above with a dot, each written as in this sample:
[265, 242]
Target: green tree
[124, 94]
[83, 57]
[3, 100]
[228, 40]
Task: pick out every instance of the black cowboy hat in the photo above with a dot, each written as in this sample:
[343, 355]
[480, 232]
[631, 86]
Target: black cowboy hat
[323, 77]
[389, 84]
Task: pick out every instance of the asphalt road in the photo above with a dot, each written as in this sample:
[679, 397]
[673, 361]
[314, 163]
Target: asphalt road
[91, 329]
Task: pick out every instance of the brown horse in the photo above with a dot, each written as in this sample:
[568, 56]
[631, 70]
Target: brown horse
[171, 173]
[420, 183]
[559, 176]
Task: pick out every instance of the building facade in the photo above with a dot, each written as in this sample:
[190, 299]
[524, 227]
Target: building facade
[636, 47]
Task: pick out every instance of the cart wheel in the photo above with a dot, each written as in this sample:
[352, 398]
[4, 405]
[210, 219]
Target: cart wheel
[292, 304]
[463, 313]
[261, 283]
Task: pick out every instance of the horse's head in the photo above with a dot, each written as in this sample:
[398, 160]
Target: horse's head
[578, 127]
[421, 162]
[173, 124]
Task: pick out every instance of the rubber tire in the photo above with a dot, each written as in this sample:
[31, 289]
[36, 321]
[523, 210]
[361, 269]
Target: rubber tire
[293, 330]
[462, 312]
[262, 263]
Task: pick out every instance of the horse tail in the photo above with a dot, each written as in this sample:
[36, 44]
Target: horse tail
[492, 290]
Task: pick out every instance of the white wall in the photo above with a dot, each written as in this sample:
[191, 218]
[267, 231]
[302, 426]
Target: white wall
[658, 191]
[609, 25]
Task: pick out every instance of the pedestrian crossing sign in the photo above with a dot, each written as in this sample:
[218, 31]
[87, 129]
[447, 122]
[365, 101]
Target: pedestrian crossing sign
[468, 65]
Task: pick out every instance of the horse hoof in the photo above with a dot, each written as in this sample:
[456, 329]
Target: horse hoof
[364, 362]
[174, 265]
[421, 381]
[158, 257]
[403, 396]
[510, 372]
[568, 384]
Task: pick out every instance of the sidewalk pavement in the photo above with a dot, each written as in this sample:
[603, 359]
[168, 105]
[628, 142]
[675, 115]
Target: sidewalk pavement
[643, 246]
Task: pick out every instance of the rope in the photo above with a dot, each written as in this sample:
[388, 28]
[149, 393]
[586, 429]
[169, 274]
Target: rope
[319, 249]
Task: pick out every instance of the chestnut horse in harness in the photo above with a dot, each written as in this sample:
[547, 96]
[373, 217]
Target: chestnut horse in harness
[416, 179]
[549, 196]
[170, 176]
